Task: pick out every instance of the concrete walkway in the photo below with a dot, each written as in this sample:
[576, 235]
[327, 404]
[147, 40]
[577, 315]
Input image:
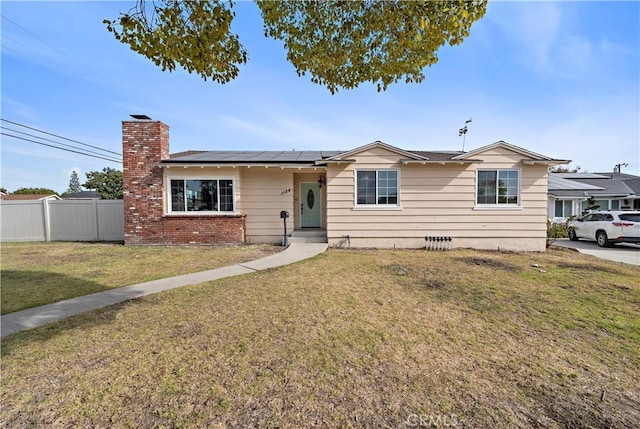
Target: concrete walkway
[38, 316]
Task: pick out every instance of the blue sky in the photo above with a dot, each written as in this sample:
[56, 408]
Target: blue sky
[558, 78]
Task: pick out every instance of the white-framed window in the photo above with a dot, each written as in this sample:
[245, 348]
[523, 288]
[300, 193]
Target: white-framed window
[563, 208]
[201, 195]
[377, 188]
[498, 188]
[602, 205]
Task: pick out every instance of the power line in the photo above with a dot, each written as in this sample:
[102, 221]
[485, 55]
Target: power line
[36, 36]
[49, 140]
[93, 71]
[6, 48]
[24, 46]
[61, 148]
[60, 137]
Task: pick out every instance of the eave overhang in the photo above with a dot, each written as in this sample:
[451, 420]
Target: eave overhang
[305, 166]
[549, 162]
[334, 161]
[558, 193]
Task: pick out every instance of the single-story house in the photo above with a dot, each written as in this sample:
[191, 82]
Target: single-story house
[29, 197]
[376, 195]
[569, 192]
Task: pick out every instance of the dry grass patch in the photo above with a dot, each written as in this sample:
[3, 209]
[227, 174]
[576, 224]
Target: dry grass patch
[349, 339]
[35, 274]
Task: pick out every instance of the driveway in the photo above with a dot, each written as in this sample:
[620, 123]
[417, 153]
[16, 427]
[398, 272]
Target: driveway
[627, 253]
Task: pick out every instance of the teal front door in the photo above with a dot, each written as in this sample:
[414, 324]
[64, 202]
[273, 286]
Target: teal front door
[310, 205]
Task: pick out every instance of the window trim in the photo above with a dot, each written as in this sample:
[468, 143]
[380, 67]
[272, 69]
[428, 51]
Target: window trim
[375, 206]
[496, 205]
[168, 203]
[564, 204]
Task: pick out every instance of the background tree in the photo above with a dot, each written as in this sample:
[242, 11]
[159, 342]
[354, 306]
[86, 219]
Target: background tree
[565, 169]
[3, 190]
[34, 191]
[107, 183]
[74, 183]
[592, 204]
[341, 44]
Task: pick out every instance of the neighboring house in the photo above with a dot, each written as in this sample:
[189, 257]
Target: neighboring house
[376, 195]
[569, 192]
[82, 195]
[26, 197]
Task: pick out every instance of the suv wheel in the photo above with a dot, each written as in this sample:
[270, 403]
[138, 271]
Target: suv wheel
[601, 239]
[572, 235]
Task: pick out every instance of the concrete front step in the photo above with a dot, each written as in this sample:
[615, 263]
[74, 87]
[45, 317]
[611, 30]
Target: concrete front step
[308, 236]
[309, 233]
[307, 239]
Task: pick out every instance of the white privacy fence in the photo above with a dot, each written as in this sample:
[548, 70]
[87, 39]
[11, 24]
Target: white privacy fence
[66, 220]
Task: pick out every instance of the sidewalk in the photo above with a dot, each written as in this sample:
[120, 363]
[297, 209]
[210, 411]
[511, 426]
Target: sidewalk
[38, 316]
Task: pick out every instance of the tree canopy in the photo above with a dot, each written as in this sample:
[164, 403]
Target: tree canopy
[565, 169]
[107, 183]
[341, 44]
[34, 191]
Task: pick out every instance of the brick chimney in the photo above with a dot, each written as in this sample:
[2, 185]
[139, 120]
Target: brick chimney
[144, 144]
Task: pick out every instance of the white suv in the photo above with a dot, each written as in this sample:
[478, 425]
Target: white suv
[607, 228]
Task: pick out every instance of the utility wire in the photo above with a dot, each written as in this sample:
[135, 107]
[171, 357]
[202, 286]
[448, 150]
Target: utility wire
[6, 48]
[24, 46]
[60, 137]
[36, 36]
[61, 148]
[93, 71]
[49, 140]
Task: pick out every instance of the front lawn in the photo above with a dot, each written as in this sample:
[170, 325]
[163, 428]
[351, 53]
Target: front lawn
[35, 274]
[349, 339]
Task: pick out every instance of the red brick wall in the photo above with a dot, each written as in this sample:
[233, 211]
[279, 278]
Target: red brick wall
[144, 145]
[202, 230]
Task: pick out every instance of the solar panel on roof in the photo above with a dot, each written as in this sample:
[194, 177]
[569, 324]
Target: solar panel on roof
[256, 156]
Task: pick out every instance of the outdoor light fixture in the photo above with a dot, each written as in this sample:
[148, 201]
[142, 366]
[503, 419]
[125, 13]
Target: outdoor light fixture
[321, 181]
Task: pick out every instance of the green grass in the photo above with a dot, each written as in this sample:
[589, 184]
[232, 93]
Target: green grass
[348, 339]
[33, 274]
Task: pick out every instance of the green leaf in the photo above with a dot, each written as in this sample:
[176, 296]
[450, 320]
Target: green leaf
[340, 44]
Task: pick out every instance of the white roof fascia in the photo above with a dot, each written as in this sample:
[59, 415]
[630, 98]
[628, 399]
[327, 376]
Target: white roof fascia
[513, 148]
[380, 144]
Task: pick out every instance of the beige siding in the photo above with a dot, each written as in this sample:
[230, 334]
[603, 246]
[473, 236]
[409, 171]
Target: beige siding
[438, 199]
[500, 155]
[264, 192]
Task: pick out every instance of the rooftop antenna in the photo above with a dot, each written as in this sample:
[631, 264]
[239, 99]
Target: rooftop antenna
[618, 167]
[463, 132]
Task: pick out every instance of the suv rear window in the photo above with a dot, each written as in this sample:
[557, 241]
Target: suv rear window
[633, 217]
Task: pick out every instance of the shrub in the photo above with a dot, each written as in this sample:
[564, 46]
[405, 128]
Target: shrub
[557, 230]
